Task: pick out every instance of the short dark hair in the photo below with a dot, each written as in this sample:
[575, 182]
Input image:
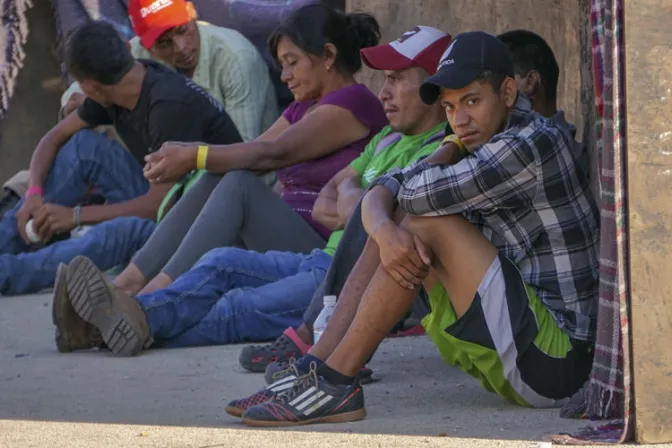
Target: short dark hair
[493, 78]
[531, 52]
[312, 27]
[96, 51]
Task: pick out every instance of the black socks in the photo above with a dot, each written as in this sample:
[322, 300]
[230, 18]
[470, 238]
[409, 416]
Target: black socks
[334, 377]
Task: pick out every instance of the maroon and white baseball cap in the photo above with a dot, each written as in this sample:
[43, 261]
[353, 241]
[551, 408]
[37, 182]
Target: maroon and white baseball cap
[420, 47]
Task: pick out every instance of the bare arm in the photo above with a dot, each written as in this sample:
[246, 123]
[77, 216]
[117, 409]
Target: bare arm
[349, 193]
[377, 209]
[446, 154]
[325, 130]
[50, 144]
[146, 206]
[326, 208]
[379, 203]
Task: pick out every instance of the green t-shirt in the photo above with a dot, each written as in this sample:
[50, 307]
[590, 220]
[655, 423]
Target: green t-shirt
[400, 154]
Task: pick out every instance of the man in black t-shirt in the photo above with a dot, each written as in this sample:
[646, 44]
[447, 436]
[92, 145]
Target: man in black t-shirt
[149, 105]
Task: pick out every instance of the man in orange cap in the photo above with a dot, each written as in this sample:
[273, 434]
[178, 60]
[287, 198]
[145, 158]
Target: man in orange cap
[220, 60]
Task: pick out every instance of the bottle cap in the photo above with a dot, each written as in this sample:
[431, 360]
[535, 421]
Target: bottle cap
[329, 300]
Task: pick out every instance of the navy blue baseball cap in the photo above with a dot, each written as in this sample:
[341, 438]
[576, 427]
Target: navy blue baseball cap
[466, 58]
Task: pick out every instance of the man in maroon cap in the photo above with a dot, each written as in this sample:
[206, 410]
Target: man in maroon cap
[505, 242]
[415, 130]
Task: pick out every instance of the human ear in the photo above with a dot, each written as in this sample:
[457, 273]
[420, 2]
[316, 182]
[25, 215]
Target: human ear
[533, 84]
[509, 91]
[330, 53]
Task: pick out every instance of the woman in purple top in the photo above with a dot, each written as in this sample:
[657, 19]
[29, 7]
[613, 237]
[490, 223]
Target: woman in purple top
[327, 126]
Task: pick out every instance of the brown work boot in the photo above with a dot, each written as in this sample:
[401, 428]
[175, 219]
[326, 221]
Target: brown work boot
[118, 316]
[72, 333]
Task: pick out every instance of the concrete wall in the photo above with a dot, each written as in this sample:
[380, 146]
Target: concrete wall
[563, 23]
[34, 106]
[648, 57]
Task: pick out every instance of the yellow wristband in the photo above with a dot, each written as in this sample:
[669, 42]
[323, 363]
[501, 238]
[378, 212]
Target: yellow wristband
[452, 138]
[202, 157]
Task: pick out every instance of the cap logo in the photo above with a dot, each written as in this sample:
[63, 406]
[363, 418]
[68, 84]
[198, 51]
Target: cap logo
[408, 34]
[445, 57]
[155, 7]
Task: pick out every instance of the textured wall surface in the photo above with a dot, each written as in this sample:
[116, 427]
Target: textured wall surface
[558, 21]
[648, 56]
[33, 109]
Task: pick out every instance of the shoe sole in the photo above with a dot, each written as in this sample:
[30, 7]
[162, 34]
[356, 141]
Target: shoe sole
[346, 417]
[93, 301]
[234, 411]
[60, 295]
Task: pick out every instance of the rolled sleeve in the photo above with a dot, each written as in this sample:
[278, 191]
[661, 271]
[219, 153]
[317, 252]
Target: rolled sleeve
[502, 174]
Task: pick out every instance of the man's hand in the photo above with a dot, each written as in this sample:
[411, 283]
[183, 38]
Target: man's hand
[75, 100]
[30, 206]
[403, 255]
[171, 162]
[51, 219]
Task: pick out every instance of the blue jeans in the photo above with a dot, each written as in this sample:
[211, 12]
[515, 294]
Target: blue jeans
[87, 159]
[234, 295]
[108, 244]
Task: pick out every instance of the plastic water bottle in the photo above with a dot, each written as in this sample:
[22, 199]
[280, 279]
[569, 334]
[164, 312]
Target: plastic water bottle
[321, 323]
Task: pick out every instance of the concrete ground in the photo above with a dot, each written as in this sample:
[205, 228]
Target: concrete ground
[174, 398]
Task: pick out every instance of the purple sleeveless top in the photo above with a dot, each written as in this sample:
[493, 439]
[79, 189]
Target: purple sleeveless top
[302, 182]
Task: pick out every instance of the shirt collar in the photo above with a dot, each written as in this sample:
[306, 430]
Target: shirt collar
[520, 111]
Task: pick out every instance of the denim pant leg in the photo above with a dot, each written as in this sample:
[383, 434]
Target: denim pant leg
[173, 310]
[349, 249]
[257, 314]
[87, 159]
[107, 244]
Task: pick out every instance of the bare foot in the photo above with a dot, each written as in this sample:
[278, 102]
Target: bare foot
[161, 281]
[131, 280]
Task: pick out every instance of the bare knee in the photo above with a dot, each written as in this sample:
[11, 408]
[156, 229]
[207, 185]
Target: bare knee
[236, 183]
[452, 237]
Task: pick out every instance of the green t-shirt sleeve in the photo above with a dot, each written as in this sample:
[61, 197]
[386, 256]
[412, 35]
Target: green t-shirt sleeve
[362, 162]
[426, 151]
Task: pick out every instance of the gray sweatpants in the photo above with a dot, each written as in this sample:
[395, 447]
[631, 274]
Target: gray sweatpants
[222, 211]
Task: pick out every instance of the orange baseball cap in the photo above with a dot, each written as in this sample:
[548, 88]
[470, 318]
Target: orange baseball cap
[151, 18]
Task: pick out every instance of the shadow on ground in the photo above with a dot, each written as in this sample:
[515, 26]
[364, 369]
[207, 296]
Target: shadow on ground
[417, 393]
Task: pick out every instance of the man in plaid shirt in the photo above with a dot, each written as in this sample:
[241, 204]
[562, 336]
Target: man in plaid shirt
[505, 241]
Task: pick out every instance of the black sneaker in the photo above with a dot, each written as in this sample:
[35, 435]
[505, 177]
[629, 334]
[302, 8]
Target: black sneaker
[256, 358]
[276, 371]
[311, 399]
[283, 383]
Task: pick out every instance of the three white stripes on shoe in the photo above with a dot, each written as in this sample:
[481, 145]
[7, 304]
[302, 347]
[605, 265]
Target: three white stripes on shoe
[305, 399]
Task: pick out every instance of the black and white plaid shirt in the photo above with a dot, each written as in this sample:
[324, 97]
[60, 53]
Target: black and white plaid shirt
[527, 190]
